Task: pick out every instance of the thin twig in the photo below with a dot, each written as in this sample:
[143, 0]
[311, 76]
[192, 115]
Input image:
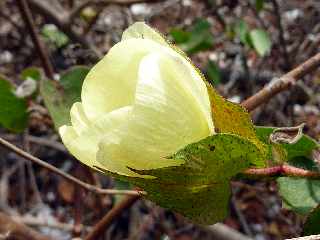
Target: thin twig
[43, 54]
[116, 211]
[281, 84]
[67, 176]
[41, 141]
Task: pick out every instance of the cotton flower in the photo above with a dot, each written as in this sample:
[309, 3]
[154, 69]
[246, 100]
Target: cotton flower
[140, 104]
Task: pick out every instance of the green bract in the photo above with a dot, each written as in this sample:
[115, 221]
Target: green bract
[147, 116]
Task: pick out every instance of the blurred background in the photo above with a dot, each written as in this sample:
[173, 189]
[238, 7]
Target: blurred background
[240, 46]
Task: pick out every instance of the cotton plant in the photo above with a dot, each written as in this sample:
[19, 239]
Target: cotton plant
[148, 116]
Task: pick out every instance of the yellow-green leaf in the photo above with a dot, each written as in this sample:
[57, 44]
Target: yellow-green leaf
[199, 188]
[232, 118]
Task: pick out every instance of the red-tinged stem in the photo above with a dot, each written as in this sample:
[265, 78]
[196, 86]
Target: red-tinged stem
[281, 171]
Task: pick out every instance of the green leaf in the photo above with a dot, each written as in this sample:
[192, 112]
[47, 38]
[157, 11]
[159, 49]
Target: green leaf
[299, 194]
[260, 41]
[200, 26]
[232, 118]
[54, 35]
[179, 35]
[259, 4]
[196, 40]
[311, 226]
[242, 30]
[13, 110]
[213, 73]
[199, 189]
[59, 99]
[302, 148]
[31, 72]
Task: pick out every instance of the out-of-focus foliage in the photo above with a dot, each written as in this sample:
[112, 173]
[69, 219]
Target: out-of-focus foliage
[213, 73]
[311, 226]
[260, 41]
[299, 194]
[60, 96]
[13, 110]
[259, 5]
[54, 36]
[31, 72]
[199, 38]
[256, 39]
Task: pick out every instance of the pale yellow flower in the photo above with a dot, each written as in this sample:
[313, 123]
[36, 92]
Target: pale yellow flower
[141, 103]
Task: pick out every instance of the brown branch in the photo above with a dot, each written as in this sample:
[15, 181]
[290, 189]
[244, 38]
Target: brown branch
[11, 229]
[115, 212]
[43, 54]
[67, 176]
[281, 84]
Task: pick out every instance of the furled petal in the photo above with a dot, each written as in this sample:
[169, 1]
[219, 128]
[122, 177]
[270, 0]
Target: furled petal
[79, 119]
[111, 83]
[84, 144]
[192, 78]
[165, 117]
[143, 31]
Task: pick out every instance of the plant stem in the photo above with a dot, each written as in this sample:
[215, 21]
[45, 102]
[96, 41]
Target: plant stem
[67, 176]
[281, 84]
[43, 54]
[116, 211]
[280, 171]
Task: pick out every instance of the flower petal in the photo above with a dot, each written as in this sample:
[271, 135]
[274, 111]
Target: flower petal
[112, 82]
[84, 146]
[165, 117]
[143, 31]
[194, 82]
[79, 119]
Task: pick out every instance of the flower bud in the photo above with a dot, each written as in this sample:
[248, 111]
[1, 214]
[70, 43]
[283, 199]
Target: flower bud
[140, 104]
